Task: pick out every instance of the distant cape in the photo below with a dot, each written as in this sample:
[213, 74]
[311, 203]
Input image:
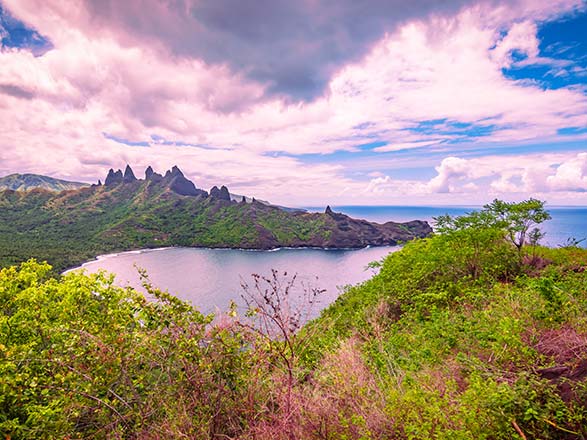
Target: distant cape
[26, 182]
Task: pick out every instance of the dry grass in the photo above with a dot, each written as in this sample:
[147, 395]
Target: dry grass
[562, 345]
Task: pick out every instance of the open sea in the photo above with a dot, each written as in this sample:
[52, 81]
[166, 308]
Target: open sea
[211, 278]
[568, 222]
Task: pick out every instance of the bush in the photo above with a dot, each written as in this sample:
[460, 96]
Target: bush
[81, 357]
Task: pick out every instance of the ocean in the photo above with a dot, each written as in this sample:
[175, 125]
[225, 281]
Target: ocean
[567, 223]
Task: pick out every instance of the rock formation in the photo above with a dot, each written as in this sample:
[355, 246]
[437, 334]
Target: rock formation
[180, 185]
[113, 178]
[173, 179]
[152, 176]
[129, 176]
[221, 193]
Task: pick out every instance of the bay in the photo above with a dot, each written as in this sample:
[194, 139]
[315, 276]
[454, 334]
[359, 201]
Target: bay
[211, 278]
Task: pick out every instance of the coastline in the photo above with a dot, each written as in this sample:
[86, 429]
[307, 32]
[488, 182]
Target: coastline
[110, 255]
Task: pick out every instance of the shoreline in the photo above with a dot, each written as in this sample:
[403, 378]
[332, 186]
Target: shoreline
[277, 249]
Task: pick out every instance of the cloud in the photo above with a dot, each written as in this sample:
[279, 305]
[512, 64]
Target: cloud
[294, 47]
[504, 184]
[533, 173]
[16, 91]
[438, 68]
[404, 146]
[378, 185]
[217, 91]
[451, 169]
[521, 39]
[571, 175]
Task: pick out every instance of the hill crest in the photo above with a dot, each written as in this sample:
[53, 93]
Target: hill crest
[27, 182]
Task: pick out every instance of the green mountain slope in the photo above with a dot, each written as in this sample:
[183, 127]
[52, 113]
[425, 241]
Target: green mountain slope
[26, 182]
[127, 213]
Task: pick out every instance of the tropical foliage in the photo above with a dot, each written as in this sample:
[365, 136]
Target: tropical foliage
[463, 335]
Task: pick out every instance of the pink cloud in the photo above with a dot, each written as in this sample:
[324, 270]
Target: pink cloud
[101, 79]
[521, 37]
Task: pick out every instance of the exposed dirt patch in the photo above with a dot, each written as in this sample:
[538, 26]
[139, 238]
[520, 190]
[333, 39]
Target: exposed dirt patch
[563, 345]
[534, 264]
[568, 349]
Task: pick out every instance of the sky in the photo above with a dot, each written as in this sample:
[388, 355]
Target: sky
[306, 102]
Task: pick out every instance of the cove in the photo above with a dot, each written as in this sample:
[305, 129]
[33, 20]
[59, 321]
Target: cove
[211, 278]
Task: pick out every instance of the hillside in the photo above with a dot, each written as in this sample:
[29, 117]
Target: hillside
[460, 336]
[168, 210]
[26, 182]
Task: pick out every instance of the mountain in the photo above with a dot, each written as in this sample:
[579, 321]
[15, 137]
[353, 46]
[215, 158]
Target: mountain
[168, 210]
[25, 182]
[238, 198]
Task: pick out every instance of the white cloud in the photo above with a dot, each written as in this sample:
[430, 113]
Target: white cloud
[520, 38]
[533, 173]
[450, 171]
[571, 175]
[404, 146]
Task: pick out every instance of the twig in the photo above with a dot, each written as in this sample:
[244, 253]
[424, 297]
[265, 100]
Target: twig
[562, 429]
[519, 431]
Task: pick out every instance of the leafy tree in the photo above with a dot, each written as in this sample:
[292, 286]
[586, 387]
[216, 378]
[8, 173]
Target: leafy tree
[518, 219]
[475, 243]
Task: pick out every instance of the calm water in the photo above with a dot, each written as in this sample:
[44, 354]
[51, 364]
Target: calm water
[211, 278]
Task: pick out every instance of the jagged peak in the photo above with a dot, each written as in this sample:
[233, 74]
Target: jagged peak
[129, 175]
[175, 171]
[152, 176]
[113, 177]
[221, 193]
[174, 178]
[328, 210]
[224, 193]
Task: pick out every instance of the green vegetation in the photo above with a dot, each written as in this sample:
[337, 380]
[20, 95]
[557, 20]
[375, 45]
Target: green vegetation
[462, 335]
[71, 227]
[515, 219]
[81, 358]
[75, 226]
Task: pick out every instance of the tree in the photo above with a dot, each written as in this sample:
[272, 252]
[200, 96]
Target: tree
[518, 219]
[483, 239]
[279, 309]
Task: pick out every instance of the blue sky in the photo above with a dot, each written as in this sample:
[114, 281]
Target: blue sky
[301, 103]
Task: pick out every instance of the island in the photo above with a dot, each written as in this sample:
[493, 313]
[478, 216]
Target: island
[161, 210]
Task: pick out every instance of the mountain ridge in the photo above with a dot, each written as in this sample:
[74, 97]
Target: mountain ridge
[70, 227]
